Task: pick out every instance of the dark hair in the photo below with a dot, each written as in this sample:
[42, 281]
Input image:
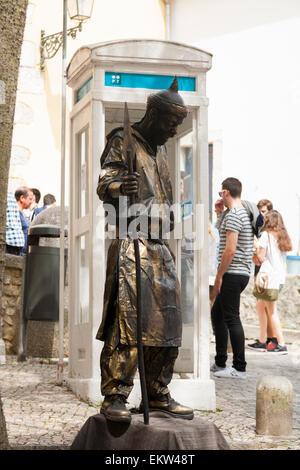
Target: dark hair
[37, 194]
[49, 199]
[273, 222]
[265, 202]
[234, 186]
[22, 191]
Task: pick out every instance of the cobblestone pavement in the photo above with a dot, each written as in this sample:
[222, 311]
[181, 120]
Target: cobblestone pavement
[43, 415]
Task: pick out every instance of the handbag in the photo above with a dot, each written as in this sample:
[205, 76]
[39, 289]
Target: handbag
[267, 282]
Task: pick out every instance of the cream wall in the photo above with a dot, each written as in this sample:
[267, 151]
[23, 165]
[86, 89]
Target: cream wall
[36, 140]
[254, 93]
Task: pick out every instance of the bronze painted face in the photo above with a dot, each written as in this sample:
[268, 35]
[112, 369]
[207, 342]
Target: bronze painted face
[167, 111]
[165, 126]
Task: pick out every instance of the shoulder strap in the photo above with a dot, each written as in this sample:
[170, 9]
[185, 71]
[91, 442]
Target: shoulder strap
[269, 243]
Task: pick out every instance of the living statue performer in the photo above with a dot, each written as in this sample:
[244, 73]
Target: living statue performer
[161, 307]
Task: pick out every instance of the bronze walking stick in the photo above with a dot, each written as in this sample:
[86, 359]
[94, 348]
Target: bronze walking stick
[130, 155]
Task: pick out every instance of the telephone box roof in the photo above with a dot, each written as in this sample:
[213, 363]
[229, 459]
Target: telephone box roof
[140, 51]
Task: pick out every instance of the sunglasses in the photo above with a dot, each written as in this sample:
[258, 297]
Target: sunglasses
[221, 193]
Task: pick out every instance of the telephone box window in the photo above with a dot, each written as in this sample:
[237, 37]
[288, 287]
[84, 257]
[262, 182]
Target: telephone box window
[83, 90]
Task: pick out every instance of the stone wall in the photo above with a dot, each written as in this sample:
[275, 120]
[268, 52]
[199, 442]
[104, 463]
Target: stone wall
[42, 337]
[11, 302]
[288, 304]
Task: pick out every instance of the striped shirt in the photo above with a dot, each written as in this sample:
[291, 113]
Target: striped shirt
[237, 220]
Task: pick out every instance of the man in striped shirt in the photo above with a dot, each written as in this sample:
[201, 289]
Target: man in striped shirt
[235, 257]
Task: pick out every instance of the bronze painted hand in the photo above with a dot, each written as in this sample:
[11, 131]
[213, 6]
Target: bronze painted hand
[128, 187]
[130, 184]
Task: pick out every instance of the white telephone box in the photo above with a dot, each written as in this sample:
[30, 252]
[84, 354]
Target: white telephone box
[103, 76]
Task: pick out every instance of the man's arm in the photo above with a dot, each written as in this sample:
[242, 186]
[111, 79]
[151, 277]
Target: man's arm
[227, 257]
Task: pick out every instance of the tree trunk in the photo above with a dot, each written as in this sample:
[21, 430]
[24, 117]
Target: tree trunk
[12, 24]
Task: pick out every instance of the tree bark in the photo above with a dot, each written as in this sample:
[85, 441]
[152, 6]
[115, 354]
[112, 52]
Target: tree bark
[12, 24]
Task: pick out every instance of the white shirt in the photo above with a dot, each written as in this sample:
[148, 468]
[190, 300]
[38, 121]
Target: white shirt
[276, 257]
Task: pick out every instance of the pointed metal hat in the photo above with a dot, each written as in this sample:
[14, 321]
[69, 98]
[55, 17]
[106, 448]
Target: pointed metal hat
[169, 100]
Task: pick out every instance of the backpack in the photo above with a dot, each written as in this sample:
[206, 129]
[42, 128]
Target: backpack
[256, 218]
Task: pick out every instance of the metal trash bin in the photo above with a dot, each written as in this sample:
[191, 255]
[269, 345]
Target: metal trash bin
[41, 276]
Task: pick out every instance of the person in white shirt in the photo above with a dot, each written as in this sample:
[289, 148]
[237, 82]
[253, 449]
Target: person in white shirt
[264, 206]
[273, 245]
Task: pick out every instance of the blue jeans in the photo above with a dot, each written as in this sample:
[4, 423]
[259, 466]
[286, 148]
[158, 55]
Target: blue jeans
[225, 315]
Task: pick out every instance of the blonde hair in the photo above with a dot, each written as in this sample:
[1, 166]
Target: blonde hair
[273, 222]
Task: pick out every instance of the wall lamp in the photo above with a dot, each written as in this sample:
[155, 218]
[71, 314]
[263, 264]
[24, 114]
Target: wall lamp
[79, 10]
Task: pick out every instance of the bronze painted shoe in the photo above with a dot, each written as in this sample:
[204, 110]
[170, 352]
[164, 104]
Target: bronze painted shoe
[168, 405]
[114, 409]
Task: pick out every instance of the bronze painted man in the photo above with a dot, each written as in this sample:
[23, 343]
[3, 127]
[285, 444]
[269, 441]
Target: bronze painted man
[161, 321]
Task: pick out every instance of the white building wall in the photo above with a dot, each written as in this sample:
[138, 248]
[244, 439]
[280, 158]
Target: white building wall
[192, 20]
[254, 92]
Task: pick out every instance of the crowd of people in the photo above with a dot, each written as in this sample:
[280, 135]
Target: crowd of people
[21, 209]
[248, 234]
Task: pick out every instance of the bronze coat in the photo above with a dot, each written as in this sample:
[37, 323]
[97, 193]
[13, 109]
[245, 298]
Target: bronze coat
[162, 324]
